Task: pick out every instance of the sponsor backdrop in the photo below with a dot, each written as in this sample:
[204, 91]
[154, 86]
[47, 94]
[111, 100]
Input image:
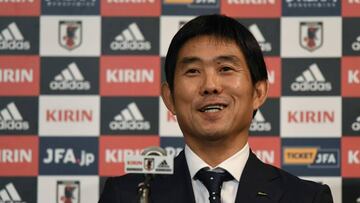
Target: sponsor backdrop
[80, 86]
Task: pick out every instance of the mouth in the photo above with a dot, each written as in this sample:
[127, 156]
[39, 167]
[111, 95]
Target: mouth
[211, 108]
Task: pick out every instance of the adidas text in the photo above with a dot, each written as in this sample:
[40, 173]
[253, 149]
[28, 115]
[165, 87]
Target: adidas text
[260, 126]
[355, 126]
[311, 86]
[129, 125]
[130, 45]
[14, 125]
[14, 45]
[69, 85]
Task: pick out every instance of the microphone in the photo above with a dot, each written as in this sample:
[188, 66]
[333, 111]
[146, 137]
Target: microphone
[153, 160]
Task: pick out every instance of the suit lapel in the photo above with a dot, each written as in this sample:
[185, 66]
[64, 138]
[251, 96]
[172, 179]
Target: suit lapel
[176, 188]
[258, 183]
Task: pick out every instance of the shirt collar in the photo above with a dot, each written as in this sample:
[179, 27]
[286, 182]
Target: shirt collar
[234, 164]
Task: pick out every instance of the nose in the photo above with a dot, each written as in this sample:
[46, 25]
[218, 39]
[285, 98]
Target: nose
[211, 83]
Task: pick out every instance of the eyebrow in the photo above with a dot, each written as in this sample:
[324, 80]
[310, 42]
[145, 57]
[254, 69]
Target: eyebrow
[221, 58]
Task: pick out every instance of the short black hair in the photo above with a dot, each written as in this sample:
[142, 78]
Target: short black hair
[221, 27]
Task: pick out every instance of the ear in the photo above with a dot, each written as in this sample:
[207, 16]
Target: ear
[260, 93]
[167, 97]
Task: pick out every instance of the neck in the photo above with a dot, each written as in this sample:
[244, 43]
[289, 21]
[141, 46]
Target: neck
[215, 152]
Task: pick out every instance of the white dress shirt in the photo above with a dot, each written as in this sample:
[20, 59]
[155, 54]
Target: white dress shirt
[234, 165]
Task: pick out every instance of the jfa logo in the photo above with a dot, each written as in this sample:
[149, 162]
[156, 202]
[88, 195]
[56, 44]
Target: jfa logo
[311, 35]
[67, 156]
[68, 191]
[70, 34]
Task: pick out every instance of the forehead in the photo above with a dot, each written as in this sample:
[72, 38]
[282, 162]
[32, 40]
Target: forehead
[209, 47]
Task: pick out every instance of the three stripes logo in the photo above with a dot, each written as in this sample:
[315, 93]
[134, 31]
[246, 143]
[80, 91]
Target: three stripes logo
[265, 46]
[259, 123]
[12, 39]
[70, 78]
[356, 125]
[130, 118]
[163, 166]
[311, 80]
[10, 195]
[131, 39]
[11, 119]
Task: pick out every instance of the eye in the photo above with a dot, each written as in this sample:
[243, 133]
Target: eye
[192, 71]
[226, 69]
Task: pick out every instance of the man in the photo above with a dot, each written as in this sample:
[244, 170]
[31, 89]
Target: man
[216, 80]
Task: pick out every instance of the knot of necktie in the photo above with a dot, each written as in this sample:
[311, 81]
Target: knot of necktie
[213, 182]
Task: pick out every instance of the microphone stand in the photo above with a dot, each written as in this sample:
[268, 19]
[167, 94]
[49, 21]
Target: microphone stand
[144, 189]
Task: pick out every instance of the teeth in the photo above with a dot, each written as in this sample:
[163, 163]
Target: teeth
[213, 108]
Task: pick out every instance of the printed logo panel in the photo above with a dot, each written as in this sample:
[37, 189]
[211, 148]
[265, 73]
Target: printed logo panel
[311, 157]
[69, 115]
[266, 120]
[18, 116]
[251, 8]
[169, 126]
[19, 75]
[190, 7]
[311, 37]
[71, 7]
[19, 35]
[268, 153]
[351, 116]
[130, 36]
[70, 36]
[311, 8]
[114, 149]
[350, 190]
[273, 65]
[69, 75]
[350, 76]
[169, 25]
[172, 145]
[18, 190]
[73, 189]
[130, 116]
[320, 119]
[333, 182]
[351, 36]
[68, 156]
[19, 156]
[130, 8]
[130, 76]
[350, 8]
[350, 166]
[263, 31]
[319, 76]
[23, 8]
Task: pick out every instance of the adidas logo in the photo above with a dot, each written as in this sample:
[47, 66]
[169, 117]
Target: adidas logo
[11, 119]
[130, 119]
[10, 195]
[130, 39]
[259, 123]
[12, 39]
[356, 45]
[265, 46]
[163, 164]
[163, 167]
[70, 79]
[311, 80]
[356, 125]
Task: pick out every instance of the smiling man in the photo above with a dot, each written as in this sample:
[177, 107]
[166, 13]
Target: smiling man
[216, 79]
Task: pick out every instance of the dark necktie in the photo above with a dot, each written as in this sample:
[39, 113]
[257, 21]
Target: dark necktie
[213, 182]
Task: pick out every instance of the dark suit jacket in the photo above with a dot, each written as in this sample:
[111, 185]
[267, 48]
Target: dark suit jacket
[259, 183]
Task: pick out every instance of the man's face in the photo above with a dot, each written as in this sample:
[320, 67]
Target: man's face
[213, 96]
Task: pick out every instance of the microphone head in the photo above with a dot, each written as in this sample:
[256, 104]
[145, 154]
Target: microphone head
[154, 151]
